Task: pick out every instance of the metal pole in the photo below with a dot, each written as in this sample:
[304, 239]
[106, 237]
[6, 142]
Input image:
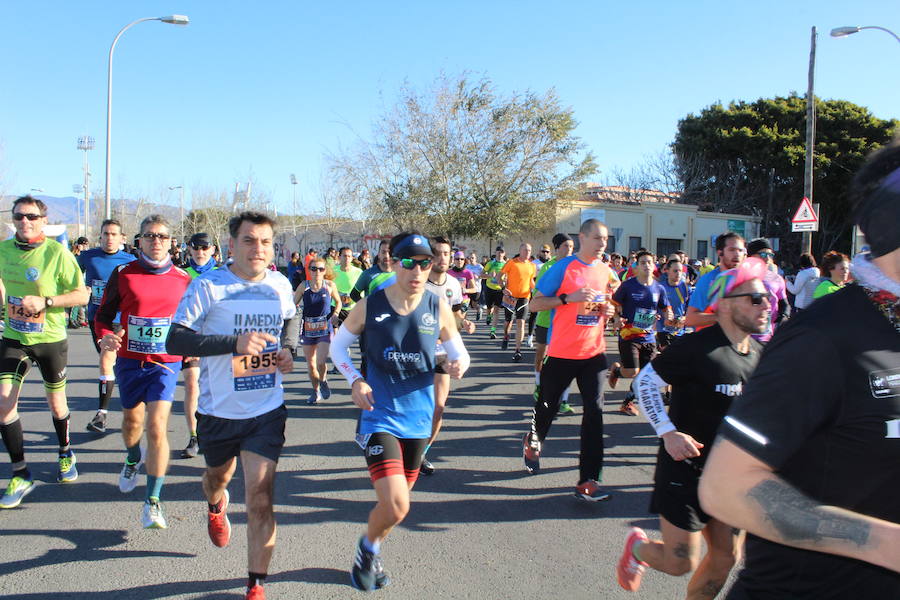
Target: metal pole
[182, 211]
[806, 242]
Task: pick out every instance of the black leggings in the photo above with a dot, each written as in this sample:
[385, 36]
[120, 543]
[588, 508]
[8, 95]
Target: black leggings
[556, 376]
[388, 455]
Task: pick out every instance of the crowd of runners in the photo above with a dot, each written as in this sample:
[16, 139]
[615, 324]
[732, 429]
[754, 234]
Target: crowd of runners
[800, 474]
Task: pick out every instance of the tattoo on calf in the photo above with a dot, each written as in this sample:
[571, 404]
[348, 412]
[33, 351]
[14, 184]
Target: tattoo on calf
[797, 518]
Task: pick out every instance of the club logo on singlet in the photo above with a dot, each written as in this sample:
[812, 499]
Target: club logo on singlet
[382, 317]
[428, 319]
[398, 356]
[32, 274]
[730, 389]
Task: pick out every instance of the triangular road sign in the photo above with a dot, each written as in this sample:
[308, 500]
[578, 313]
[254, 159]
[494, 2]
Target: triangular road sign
[805, 214]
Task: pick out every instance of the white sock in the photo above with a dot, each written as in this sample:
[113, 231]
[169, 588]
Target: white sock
[537, 378]
[565, 396]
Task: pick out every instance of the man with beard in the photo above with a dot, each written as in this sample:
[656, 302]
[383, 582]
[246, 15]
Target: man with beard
[731, 252]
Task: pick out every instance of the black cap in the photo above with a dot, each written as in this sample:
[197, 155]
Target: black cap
[81, 240]
[499, 249]
[200, 239]
[413, 245]
[757, 245]
[559, 239]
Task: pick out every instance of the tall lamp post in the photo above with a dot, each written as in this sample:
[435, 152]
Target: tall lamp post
[86, 143]
[181, 204]
[171, 19]
[294, 204]
[838, 32]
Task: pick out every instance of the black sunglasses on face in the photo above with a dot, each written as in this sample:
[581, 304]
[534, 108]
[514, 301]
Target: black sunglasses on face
[29, 216]
[200, 247]
[756, 298]
[314, 269]
[156, 236]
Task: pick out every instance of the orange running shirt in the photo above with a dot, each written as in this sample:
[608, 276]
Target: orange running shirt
[520, 276]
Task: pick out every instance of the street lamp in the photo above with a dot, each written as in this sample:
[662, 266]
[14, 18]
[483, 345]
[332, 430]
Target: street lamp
[86, 143]
[838, 32]
[181, 203]
[294, 204]
[171, 19]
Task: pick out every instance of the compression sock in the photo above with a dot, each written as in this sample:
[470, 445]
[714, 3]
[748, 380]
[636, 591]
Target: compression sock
[154, 487]
[255, 579]
[15, 443]
[134, 454]
[105, 391]
[62, 433]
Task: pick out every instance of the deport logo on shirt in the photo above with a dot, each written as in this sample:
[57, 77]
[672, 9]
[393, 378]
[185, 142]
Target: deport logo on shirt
[730, 389]
[32, 274]
[398, 356]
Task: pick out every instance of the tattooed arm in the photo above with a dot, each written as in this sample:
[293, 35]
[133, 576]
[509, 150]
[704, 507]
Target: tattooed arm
[738, 489]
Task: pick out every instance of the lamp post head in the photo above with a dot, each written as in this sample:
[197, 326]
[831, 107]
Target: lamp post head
[175, 19]
[293, 179]
[843, 31]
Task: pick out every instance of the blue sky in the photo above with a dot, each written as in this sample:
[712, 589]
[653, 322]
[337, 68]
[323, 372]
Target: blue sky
[268, 87]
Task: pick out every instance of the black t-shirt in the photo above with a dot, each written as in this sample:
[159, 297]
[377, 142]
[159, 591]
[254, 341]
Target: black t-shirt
[706, 373]
[826, 400]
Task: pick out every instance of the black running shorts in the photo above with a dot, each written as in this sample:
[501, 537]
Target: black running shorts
[223, 439]
[51, 359]
[675, 493]
[634, 354]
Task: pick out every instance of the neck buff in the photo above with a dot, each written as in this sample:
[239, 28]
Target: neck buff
[155, 267]
[25, 246]
[883, 291]
[201, 269]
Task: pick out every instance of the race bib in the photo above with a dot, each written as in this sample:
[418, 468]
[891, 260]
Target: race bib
[644, 318]
[147, 335]
[97, 287]
[346, 300]
[315, 327]
[589, 313]
[255, 371]
[509, 303]
[22, 320]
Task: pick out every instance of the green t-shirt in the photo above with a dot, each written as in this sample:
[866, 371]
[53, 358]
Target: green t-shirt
[381, 281]
[826, 287]
[48, 270]
[543, 318]
[493, 267]
[345, 280]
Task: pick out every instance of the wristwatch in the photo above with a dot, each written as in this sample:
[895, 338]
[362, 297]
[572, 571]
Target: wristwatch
[563, 298]
[48, 301]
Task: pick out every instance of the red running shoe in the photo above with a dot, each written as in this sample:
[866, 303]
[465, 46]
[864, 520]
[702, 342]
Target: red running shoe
[219, 528]
[256, 593]
[630, 570]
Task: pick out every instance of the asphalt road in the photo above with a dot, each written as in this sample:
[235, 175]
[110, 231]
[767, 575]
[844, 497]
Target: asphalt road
[481, 527]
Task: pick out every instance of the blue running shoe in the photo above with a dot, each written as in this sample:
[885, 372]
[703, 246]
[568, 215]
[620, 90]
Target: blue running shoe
[67, 471]
[324, 390]
[363, 574]
[18, 488]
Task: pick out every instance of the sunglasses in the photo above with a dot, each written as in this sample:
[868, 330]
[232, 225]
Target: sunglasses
[756, 298]
[200, 247]
[410, 263]
[156, 236]
[315, 269]
[29, 216]
[767, 255]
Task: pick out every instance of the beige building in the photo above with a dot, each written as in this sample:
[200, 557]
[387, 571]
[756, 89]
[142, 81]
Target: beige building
[636, 219]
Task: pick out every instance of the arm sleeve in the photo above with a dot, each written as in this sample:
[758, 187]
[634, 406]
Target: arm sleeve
[183, 341]
[788, 398]
[340, 354]
[109, 305]
[290, 334]
[648, 388]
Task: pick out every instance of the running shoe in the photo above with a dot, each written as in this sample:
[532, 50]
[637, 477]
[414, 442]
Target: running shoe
[192, 449]
[426, 468]
[487, 321]
[531, 452]
[531, 341]
[18, 488]
[363, 572]
[629, 569]
[381, 578]
[128, 478]
[493, 335]
[590, 491]
[505, 344]
[517, 356]
[153, 516]
[67, 472]
[565, 409]
[324, 390]
[314, 398]
[217, 524]
[257, 592]
[628, 408]
[536, 394]
[98, 423]
[613, 379]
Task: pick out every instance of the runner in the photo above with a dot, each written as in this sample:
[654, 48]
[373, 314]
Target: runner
[493, 293]
[441, 283]
[477, 299]
[518, 277]
[201, 252]
[98, 264]
[377, 276]
[835, 274]
[240, 321]
[779, 309]
[576, 289]
[539, 262]
[679, 293]
[465, 278]
[564, 247]
[641, 301]
[318, 320]
[808, 460]
[345, 277]
[403, 324]
[804, 284]
[145, 292]
[706, 370]
[731, 252]
[39, 278]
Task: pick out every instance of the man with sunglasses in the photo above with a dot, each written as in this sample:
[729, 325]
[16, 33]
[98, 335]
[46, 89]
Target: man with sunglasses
[145, 293]
[731, 251]
[707, 371]
[98, 264]
[201, 260]
[403, 324]
[39, 278]
[779, 308]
